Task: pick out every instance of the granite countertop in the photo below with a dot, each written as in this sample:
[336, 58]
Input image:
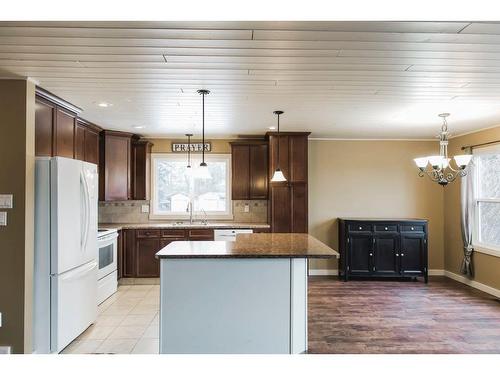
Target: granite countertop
[173, 225]
[256, 245]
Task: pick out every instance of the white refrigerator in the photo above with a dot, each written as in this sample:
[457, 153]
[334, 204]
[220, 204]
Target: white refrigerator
[65, 267]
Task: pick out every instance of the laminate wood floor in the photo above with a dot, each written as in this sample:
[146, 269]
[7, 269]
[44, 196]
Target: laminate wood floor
[388, 317]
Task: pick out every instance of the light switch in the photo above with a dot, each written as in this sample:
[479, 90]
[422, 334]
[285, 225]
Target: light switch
[247, 208]
[3, 219]
[6, 200]
[145, 208]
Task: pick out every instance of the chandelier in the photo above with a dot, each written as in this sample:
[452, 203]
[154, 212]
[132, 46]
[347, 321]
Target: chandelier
[438, 167]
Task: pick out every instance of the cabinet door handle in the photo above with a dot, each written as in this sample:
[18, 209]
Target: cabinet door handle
[397, 255]
[402, 255]
[371, 254]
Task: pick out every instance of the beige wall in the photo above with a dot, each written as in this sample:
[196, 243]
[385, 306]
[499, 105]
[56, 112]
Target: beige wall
[17, 149]
[487, 267]
[371, 179]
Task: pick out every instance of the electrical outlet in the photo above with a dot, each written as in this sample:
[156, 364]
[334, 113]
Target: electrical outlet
[145, 208]
[247, 208]
[3, 219]
[5, 349]
[6, 200]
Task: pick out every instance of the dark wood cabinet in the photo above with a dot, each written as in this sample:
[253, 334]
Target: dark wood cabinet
[139, 247]
[64, 133]
[44, 127]
[119, 255]
[128, 242]
[60, 132]
[147, 264]
[79, 141]
[413, 257]
[141, 168]
[249, 170]
[289, 199]
[115, 181]
[383, 248]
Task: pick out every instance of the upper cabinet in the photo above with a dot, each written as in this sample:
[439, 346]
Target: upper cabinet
[115, 162]
[59, 131]
[289, 199]
[249, 170]
[141, 168]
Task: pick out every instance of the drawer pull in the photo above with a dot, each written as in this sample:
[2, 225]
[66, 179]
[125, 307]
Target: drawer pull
[385, 228]
[412, 228]
[397, 255]
[360, 228]
[371, 254]
[402, 255]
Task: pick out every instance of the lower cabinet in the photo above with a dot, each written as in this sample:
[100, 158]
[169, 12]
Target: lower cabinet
[139, 247]
[388, 248]
[147, 264]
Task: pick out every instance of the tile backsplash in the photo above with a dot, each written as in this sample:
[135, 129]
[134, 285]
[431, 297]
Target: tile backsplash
[123, 212]
[131, 211]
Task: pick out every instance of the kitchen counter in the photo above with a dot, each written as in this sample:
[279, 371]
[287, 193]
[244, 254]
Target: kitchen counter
[242, 297]
[174, 225]
[257, 245]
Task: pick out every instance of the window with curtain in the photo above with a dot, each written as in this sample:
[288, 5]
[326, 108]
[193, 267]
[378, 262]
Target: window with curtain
[487, 198]
[174, 186]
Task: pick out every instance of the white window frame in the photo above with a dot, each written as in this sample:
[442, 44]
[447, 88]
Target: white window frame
[476, 243]
[195, 159]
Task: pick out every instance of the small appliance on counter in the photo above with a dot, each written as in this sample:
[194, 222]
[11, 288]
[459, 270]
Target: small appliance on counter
[107, 284]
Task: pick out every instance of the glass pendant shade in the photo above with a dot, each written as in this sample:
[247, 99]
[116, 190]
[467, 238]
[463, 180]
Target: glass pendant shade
[436, 161]
[421, 162]
[202, 172]
[278, 176]
[462, 160]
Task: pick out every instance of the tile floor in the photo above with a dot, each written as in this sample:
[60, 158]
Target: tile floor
[127, 323]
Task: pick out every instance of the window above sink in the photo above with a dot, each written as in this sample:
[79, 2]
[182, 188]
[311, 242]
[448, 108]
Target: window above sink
[174, 187]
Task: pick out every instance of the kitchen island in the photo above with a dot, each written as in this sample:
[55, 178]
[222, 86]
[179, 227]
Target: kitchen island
[247, 296]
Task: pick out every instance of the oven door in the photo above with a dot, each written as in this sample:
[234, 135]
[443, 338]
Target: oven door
[107, 254]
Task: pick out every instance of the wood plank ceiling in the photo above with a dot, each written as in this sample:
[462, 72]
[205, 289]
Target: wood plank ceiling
[336, 79]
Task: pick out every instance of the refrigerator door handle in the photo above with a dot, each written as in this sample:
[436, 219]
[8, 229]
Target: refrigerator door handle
[86, 221]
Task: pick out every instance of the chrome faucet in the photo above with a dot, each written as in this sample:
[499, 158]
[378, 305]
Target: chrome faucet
[190, 210]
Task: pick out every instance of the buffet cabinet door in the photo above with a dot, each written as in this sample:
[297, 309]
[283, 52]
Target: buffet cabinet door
[360, 254]
[412, 254]
[385, 255]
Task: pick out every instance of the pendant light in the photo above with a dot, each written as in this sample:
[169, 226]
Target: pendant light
[278, 175]
[203, 169]
[189, 170]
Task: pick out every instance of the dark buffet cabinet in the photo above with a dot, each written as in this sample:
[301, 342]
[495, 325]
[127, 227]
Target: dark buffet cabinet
[383, 248]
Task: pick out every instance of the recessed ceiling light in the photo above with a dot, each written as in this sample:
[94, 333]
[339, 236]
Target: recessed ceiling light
[272, 128]
[104, 104]
[138, 127]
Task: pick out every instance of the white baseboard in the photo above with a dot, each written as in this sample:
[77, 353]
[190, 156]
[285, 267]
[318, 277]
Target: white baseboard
[329, 272]
[436, 272]
[323, 272]
[475, 284]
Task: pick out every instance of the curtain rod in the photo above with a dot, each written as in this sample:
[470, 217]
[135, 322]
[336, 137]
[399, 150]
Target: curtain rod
[480, 144]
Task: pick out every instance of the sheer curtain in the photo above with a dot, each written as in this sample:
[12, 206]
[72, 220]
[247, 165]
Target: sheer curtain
[467, 211]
